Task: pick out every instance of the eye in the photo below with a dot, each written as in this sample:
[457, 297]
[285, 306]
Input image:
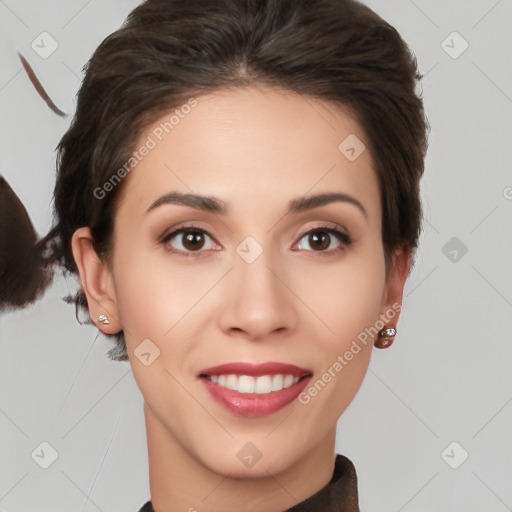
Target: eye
[193, 241]
[320, 239]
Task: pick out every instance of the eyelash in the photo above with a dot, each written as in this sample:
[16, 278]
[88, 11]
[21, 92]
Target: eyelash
[343, 237]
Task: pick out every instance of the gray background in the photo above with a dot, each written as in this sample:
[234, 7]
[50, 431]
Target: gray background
[446, 379]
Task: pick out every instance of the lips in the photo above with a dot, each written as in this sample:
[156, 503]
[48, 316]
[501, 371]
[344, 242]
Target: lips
[256, 370]
[263, 401]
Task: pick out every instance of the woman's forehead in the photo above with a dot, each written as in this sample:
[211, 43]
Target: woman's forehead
[255, 143]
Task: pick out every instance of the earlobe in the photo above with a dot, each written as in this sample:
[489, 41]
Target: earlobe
[393, 293]
[96, 280]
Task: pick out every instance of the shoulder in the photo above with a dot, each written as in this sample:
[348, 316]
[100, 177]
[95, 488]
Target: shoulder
[147, 507]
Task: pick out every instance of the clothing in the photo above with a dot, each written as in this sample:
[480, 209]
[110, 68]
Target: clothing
[339, 495]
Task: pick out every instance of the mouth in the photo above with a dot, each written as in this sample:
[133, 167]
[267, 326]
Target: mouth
[258, 385]
[252, 391]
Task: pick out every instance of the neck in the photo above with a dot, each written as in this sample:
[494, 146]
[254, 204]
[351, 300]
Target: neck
[181, 482]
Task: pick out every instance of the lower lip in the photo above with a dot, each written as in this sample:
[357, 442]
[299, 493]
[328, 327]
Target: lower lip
[254, 405]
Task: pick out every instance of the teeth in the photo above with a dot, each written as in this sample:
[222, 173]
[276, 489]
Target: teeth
[259, 385]
[263, 384]
[277, 382]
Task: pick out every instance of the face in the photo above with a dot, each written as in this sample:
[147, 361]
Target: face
[261, 276]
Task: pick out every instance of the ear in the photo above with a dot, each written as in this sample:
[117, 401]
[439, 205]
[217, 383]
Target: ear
[395, 281]
[97, 281]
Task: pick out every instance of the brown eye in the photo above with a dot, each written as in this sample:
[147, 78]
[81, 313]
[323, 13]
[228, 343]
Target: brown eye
[193, 240]
[320, 239]
[188, 240]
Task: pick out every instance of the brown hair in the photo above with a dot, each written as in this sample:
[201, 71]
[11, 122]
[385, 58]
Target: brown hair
[169, 50]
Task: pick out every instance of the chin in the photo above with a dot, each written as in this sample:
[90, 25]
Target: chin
[249, 462]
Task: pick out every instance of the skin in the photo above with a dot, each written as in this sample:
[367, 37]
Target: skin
[256, 149]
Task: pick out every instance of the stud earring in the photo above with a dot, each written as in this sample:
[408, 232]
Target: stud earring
[103, 319]
[386, 337]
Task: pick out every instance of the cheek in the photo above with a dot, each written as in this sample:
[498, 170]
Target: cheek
[349, 305]
[155, 294]
[345, 296]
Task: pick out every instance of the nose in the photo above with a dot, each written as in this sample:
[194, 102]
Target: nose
[258, 302]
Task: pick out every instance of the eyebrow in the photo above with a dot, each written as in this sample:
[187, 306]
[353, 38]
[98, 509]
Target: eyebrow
[215, 205]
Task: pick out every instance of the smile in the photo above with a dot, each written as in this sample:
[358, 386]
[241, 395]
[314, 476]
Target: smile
[259, 385]
[254, 390]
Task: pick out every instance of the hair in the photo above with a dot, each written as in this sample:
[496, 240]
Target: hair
[167, 51]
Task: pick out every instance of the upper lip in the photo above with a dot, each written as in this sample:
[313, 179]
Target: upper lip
[256, 370]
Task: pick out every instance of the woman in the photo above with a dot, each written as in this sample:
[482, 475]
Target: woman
[239, 196]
